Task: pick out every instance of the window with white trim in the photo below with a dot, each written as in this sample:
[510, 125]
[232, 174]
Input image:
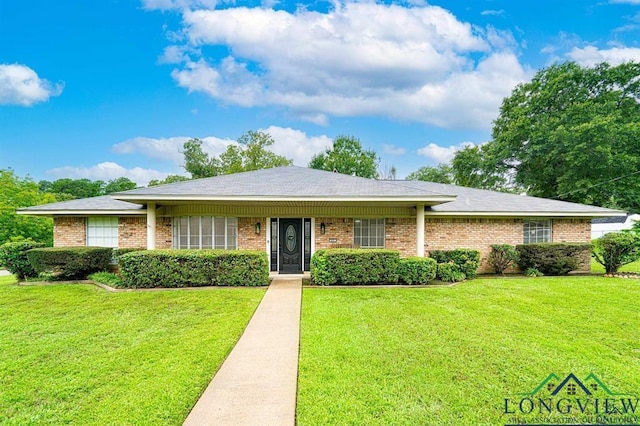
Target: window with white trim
[368, 233]
[537, 231]
[205, 232]
[102, 231]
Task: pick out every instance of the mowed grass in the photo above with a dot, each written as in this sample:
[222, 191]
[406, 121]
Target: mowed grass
[450, 356]
[78, 354]
[629, 267]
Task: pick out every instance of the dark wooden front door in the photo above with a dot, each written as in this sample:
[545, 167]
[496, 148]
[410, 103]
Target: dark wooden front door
[290, 246]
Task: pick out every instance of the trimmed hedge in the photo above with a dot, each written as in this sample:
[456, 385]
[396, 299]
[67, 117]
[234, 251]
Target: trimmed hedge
[354, 266]
[467, 261]
[13, 256]
[120, 251]
[70, 262]
[552, 258]
[417, 270]
[615, 249]
[450, 273]
[194, 268]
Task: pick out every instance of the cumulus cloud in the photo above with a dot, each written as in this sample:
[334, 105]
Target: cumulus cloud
[393, 150]
[591, 55]
[442, 154]
[288, 142]
[20, 85]
[296, 144]
[169, 149]
[358, 59]
[107, 171]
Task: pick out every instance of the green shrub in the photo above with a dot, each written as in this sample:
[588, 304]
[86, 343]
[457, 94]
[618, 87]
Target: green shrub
[70, 262]
[120, 251]
[552, 258]
[533, 273]
[417, 270]
[108, 278]
[615, 249]
[194, 268]
[467, 260]
[450, 273]
[13, 256]
[355, 266]
[502, 257]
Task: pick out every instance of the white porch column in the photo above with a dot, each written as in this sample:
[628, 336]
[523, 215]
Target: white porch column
[420, 230]
[151, 226]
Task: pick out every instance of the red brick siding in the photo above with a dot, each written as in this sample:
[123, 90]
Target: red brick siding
[338, 229]
[400, 234]
[69, 231]
[132, 232]
[164, 233]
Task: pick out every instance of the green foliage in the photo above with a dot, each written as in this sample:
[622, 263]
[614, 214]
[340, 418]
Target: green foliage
[194, 268]
[571, 133]
[118, 185]
[73, 188]
[250, 153]
[552, 258]
[502, 257]
[467, 261]
[480, 167]
[417, 270]
[450, 273]
[107, 278]
[13, 256]
[533, 273]
[168, 179]
[615, 249]
[16, 192]
[443, 173]
[348, 157]
[120, 251]
[354, 266]
[70, 262]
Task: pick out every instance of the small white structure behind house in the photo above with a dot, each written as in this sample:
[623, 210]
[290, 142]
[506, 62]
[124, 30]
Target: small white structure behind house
[604, 225]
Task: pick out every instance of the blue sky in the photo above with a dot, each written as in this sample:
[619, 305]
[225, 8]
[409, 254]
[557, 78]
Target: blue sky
[102, 89]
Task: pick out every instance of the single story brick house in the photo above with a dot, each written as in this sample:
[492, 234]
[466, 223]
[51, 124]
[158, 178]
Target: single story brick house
[290, 212]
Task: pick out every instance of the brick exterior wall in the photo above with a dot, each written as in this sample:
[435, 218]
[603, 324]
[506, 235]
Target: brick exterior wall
[132, 232]
[164, 233]
[247, 237]
[400, 233]
[69, 231]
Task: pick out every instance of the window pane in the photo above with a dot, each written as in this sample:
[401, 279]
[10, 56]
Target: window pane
[232, 233]
[194, 232]
[207, 232]
[102, 231]
[220, 229]
[537, 231]
[368, 233]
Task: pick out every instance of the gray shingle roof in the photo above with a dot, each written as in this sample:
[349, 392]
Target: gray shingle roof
[471, 200]
[282, 182]
[101, 204]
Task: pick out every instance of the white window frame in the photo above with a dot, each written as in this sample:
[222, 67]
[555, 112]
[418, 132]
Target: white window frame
[230, 241]
[102, 231]
[365, 225]
[537, 231]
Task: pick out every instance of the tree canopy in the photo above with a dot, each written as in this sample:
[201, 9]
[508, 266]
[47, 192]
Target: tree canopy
[443, 173]
[69, 189]
[16, 192]
[571, 133]
[348, 157]
[168, 179]
[250, 153]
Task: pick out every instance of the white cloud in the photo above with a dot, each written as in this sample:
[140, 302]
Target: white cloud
[289, 142]
[353, 61]
[20, 85]
[624, 1]
[393, 150]
[107, 171]
[178, 4]
[442, 154]
[296, 145]
[591, 55]
[169, 148]
[492, 12]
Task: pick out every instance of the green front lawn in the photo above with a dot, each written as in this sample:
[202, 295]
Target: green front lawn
[630, 267]
[452, 355]
[78, 354]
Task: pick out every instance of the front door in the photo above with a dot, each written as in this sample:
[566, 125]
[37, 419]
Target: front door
[290, 246]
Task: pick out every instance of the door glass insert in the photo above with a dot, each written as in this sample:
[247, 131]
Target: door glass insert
[290, 235]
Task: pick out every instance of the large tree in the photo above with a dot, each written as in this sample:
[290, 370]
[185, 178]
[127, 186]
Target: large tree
[347, 156]
[571, 133]
[16, 192]
[168, 179]
[250, 153]
[67, 188]
[442, 173]
[118, 185]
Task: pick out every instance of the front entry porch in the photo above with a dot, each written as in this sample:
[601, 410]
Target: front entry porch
[290, 245]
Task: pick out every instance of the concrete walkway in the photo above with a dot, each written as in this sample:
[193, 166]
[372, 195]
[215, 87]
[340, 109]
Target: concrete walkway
[257, 383]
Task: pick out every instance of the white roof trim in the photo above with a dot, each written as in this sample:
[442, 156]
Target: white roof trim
[82, 212]
[429, 213]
